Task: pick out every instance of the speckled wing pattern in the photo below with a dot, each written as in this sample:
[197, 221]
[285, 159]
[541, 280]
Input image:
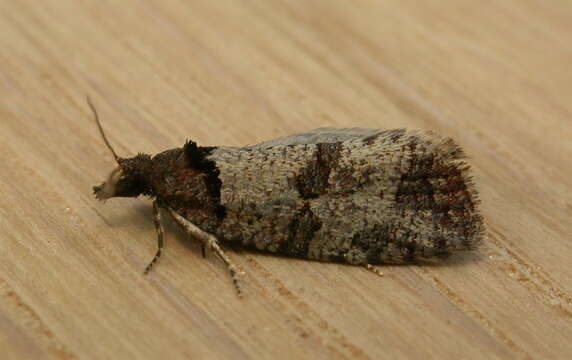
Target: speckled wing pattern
[320, 135]
[359, 196]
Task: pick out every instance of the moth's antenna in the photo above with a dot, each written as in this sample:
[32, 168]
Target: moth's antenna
[100, 128]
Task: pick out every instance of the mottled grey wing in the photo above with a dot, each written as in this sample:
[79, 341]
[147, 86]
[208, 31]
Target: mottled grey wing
[381, 196]
[320, 135]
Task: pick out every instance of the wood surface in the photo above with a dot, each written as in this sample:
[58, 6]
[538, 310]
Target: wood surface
[494, 75]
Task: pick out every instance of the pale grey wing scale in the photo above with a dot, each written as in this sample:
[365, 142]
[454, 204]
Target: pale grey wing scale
[320, 135]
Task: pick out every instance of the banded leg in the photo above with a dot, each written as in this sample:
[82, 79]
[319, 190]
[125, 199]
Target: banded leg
[159, 230]
[373, 269]
[210, 242]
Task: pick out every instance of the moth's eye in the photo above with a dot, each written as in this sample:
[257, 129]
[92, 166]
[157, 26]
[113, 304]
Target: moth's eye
[129, 185]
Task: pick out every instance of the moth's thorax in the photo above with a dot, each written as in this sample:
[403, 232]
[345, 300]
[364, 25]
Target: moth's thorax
[179, 184]
[176, 178]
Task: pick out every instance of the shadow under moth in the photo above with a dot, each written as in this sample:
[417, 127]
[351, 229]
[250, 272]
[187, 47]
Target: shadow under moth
[357, 196]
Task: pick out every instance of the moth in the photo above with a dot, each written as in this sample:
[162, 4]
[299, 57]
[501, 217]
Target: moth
[358, 196]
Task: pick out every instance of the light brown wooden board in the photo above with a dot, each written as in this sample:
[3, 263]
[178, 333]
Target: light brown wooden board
[496, 76]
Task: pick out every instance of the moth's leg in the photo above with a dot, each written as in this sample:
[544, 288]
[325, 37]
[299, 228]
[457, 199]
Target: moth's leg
[373, 269]
[210, 242]
[159, 230]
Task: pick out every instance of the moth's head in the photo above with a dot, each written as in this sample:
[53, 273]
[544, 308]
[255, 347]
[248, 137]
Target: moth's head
[129, 179]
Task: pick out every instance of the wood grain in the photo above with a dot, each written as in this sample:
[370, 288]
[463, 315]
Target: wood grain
[496, 76]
